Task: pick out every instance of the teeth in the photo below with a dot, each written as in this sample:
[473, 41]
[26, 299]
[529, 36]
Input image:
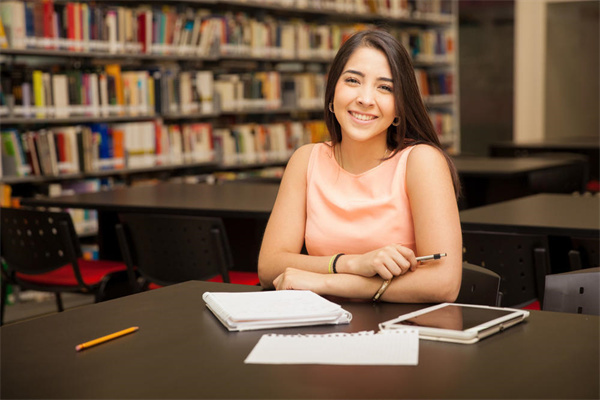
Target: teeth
[362, 117]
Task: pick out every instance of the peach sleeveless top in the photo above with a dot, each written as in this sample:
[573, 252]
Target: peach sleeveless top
[355, 214]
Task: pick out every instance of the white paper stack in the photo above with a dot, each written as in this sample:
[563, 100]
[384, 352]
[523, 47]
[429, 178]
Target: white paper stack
[399, 347]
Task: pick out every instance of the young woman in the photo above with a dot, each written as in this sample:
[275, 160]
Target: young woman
[381, 193]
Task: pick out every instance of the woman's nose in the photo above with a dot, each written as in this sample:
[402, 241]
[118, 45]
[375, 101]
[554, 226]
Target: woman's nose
[365, 97]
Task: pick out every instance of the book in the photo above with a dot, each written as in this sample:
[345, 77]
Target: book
[3, 39]
[13, 19]
[273, 309]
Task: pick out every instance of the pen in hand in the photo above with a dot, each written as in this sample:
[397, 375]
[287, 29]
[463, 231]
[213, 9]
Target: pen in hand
[436, 256]
[106, 338]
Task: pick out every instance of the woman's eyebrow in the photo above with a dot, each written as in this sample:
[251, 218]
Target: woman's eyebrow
[352, 71]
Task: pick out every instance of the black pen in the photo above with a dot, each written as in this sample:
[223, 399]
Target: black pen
[436, 256]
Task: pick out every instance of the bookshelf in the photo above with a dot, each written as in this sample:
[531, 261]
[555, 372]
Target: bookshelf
[120, 89]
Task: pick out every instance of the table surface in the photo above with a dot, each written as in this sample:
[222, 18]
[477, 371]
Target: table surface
[578, 142]
[226, 200]
[182, 351]
[251, 198]
[505, 166]
[552, 214]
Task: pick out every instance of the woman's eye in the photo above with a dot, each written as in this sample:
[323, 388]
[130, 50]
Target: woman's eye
[387, 88]
[351, 80]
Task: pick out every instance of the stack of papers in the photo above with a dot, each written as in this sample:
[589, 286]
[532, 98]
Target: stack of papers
[399, 347]
[273, 309]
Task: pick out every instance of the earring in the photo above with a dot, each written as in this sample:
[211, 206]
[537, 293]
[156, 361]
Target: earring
[331, 107]
[396, 121]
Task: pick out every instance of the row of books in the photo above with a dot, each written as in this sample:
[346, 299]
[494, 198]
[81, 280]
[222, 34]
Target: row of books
[107, 91]
[388, 8]
[259, 143]
[433, 83]
[443, 122]
[180, 30]
[169, 91]
[97, 147]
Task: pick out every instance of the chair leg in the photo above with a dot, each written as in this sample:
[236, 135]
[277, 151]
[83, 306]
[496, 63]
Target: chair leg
[59, 302]
[541, 269]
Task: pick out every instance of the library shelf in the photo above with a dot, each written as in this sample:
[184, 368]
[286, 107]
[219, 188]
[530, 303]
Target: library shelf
[432, 23]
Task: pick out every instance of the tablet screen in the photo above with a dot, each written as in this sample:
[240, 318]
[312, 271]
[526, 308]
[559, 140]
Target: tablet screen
[455, 317]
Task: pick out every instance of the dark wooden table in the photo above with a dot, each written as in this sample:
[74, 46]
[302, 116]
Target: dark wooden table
[244, 207]
[567, 220]
[546, 213]
[587, 146]
[182, 351]
[487, 180]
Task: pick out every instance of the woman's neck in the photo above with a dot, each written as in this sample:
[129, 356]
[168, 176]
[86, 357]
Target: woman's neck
[357, 158]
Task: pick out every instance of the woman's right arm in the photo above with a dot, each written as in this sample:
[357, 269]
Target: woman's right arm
[284, 235]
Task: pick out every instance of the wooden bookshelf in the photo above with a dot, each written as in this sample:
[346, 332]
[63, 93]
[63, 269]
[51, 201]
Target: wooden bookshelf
[423, 25]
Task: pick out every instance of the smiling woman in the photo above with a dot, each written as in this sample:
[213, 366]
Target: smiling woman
[364, 102]
[379, 194]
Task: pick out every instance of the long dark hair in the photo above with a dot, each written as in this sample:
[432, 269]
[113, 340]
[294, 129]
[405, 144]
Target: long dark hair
[415, 126]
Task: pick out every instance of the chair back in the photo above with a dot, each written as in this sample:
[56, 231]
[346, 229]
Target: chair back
[36, 242]
[521, 260]
[168, 249]
[479, 286]
[584, 252]
[573, 292]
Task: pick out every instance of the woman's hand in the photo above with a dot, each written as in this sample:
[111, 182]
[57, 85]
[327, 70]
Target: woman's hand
[387, 262]
[297, 279]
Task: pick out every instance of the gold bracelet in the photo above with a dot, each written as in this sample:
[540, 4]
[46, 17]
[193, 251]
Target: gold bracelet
[382, 289]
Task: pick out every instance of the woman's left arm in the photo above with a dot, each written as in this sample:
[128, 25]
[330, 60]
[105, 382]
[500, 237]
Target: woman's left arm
[437, 230]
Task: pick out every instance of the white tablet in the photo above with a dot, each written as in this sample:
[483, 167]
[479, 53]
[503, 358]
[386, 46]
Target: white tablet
[458, 323]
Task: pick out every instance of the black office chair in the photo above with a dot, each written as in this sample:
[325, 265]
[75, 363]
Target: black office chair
[584, 253]
[522, 262]
[573, 292]
[41, 251]
[163, 250]
[479, 286]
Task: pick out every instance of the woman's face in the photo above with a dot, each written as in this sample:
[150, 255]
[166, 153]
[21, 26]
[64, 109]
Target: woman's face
[364, 98]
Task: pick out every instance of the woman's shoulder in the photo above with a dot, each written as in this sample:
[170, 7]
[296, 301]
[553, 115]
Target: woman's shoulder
[426, 162]
[298, 162]
[425, 153]
[302, 153]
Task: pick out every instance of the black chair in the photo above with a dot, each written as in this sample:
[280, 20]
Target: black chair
[522, 261]
[163, 250]
[41, 251]
[584, 253]
[573, 292]
[479, 286]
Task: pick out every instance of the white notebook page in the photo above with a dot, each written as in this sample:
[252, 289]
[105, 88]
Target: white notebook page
[399, 347]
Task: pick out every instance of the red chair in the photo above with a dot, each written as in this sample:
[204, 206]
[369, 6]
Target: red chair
[41, 251]
[162, 250]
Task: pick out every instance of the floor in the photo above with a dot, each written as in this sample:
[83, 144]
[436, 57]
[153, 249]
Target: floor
[28, 305]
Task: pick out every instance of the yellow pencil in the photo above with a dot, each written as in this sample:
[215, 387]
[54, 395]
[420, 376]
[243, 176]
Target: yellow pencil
[106, 338]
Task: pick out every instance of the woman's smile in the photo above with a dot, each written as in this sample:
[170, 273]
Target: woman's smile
[362, 117]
